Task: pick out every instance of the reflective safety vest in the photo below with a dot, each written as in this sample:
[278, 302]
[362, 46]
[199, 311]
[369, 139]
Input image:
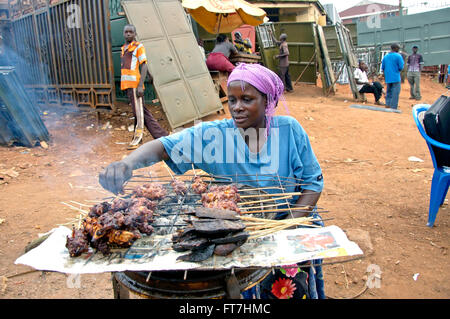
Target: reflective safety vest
[133, 55]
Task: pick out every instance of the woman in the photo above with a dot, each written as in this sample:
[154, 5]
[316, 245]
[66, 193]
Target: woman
[253, 143]
[218, 59]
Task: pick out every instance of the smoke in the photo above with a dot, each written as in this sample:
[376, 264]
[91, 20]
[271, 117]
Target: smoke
[72, 151]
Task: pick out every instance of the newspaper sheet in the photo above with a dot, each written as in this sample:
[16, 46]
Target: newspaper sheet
[154, 253]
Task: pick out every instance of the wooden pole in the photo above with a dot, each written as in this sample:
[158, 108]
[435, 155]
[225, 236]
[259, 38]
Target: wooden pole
[336, 79]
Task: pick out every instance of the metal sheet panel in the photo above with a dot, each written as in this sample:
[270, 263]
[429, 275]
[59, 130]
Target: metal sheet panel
[201, 88]
[162, 62]
[187, 52]
[301, 48]
[145, 18]
[175, 21]
[181, 78]
[181, 108]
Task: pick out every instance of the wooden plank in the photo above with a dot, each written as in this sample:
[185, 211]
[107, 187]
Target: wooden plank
[319, 57]
[328, 68]
[309, 63]
[345, 53]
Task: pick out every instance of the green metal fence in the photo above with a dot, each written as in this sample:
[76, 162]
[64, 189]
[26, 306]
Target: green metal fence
[428, 30]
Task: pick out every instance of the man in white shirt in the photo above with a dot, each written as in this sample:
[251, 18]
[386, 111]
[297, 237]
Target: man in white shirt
[365, 86]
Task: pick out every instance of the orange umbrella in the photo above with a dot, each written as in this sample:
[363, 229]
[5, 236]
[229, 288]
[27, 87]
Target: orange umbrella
[223, 16]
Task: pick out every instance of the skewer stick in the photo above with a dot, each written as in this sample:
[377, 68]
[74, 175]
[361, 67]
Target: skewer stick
[72, 201]
[270, 230]
[261, 209]
[257, 189]
[168, 170]
[267, 195]
[274, 210]
[263, 200]
[266, 206]
[76, 208]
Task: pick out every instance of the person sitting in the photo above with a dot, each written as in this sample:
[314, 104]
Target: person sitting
[241, 44]
[365, 86]
[218, 59]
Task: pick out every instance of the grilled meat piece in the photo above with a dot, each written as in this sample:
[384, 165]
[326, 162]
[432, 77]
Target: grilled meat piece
[151, 191]
[192, 244]
[90, 227]
[225, 249]
[145, 228]
[198, 254]
[119, 223]
[119, 204]
[205, 212]
[240, 237]
[199, 186]
[142, 201]
[223, 204]
[186, 233]
[140, 210]
[102, 246]
[122, 238]
[179, 186]
[99, 209]
[217, 227]
[77, 243]
[112, 220]
[222, 193]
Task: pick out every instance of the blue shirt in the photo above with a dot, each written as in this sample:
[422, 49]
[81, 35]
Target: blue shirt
[392, 65]
[219, 149]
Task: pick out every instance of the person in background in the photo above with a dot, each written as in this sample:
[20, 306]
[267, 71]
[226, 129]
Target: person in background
[365, 86]
[218, 59]
[415, 65]
[447, 77]
[132, 81]
[392, 64]
[283, 65]
[241, 44]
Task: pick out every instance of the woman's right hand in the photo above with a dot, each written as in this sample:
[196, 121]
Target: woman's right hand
[114, 176]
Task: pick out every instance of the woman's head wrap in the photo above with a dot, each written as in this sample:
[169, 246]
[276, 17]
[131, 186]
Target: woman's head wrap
[264, 80]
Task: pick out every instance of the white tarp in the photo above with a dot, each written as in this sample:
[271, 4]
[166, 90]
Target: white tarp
[282, 248]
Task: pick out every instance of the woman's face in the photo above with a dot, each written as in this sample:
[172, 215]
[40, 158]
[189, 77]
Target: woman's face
[248, 106]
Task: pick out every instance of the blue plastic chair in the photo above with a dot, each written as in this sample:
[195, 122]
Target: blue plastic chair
[441, 176]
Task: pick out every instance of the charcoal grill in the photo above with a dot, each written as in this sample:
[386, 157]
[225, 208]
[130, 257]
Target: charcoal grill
[202, 284]
[196, 285]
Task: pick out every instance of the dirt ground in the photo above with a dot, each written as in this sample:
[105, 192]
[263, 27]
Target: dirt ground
[372, 191]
